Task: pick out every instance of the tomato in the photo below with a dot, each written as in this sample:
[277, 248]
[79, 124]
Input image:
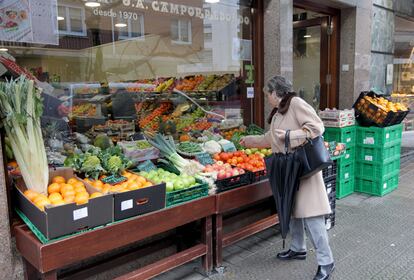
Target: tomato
[224, 156]
[240, 159]
[217, 157]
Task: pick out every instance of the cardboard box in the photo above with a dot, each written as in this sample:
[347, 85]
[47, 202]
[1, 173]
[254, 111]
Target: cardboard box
[61, 220]
[137, 202]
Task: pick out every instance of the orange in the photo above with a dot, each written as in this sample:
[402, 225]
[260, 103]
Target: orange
[147, 184]
[40, 197]
[97, 184]
[106, 188]
[69, 199]
[58, 179]
[124, 190]
[68, 193]
[135, 186]
[95, 194]
[115, 188]
[81, 198]
[53, 188]
[66, 187]
[30, 194]
[80, 189]
[78, 184]
[141, 179]
[133, 177]
[41, 203]
[72, 181]
[55, 196]
[58, 202]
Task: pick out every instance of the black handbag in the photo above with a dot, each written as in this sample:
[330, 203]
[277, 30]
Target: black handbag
[313, 155]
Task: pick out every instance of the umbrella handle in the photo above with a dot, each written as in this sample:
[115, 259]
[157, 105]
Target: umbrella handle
[287, 141]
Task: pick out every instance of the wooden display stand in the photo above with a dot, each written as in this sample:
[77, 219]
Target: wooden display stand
[44, 260]
[235, 199]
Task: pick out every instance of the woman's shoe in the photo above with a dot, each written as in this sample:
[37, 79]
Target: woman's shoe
[324, 272]
[291, 255]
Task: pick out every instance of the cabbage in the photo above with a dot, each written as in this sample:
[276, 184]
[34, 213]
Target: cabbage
[212, 147]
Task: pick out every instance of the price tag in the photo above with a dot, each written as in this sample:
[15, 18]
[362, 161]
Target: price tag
[348, 139]
[147, 166]
[114, 179]
[387, 136]
[346, 176]
[347, 156]
[368, 158]
[204, 158]
[127, 204]
[229, 147]
[384, 186]
[369, 141]
[250, 92]
[80, 213]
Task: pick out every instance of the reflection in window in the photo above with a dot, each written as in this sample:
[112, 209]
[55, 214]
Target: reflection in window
[71, 20]
[181, 31]
[134, 28]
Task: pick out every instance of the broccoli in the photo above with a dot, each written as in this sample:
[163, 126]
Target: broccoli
[92, 166]
[114, 164]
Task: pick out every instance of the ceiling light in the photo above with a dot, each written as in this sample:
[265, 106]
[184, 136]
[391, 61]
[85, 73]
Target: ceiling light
[92, 4]
[120, 25]
[307, 36]
[212, 1]
[60, 18]
[3, 49]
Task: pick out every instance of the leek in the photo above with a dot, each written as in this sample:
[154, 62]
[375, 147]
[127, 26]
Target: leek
[20, 110]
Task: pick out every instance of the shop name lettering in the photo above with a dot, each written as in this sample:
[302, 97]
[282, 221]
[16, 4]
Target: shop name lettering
[170, 8]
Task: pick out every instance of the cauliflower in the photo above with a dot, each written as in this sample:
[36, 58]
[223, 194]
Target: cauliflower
[114, 164]
[212, 147]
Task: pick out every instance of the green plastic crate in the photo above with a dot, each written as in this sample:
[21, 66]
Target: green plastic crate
[181, 196]
[346, 135]
[345, 188]
[345, 172]
[349, 156]
[379, 155]
[374, 171]
[377, 136]
[377, 187]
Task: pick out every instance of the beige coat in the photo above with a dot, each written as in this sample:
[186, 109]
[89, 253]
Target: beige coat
[302, 120]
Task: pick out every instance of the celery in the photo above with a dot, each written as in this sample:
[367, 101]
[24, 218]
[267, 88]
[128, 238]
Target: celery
[20, 109]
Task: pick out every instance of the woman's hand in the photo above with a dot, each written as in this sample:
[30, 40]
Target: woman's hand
[280, 133]
[242, 142]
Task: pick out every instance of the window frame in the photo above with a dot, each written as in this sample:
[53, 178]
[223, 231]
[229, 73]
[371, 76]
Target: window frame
[190, 32]
[68, 30]
[129, 26]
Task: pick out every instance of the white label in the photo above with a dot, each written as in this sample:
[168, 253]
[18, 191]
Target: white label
[127, 204]
[250, 92]
[346, 176]
[368, 158]
[348, 139]
[384, 186]
[80, 213]
[369, 141]
[347, 156]
[387, 136]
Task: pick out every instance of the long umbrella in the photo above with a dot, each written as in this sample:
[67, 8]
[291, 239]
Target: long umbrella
[284, 172]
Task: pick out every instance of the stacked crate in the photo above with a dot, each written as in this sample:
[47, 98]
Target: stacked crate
[378, 154]
[329, 177]
[345, 179]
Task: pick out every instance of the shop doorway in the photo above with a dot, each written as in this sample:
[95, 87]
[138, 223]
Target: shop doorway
[316, 54]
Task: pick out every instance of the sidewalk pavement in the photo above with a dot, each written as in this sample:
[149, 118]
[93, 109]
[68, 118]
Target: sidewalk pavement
[373, 239]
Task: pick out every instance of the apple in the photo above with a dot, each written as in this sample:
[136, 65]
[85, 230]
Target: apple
[229, 174]
[169, 186]
[227, 165]
[263, 151]
[241, 171]
[209, 169]
[248, 151]
[221, 175]
[254, 150]
[236, 172]
[261, 155]
[219, 163]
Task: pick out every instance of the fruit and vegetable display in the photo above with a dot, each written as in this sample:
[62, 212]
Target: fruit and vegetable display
[173, 181]
[223, 170]
[133, 182]
[335, 149]
[61, 192]
[253, 162]
[371, 108]
[97, 162]
[83, 110]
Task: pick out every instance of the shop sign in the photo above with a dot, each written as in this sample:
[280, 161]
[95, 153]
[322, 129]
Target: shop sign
[172, 9]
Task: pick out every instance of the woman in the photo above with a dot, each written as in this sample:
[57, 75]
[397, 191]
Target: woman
[311, 202]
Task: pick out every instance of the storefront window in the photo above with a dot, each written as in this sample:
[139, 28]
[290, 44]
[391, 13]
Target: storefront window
[403, 76]
[109, 61]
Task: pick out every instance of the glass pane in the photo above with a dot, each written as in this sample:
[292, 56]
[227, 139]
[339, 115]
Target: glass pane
[76, 24]
[306, 64]
[62, 18]
[185, 28]
[136, 30]
[174, 30]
